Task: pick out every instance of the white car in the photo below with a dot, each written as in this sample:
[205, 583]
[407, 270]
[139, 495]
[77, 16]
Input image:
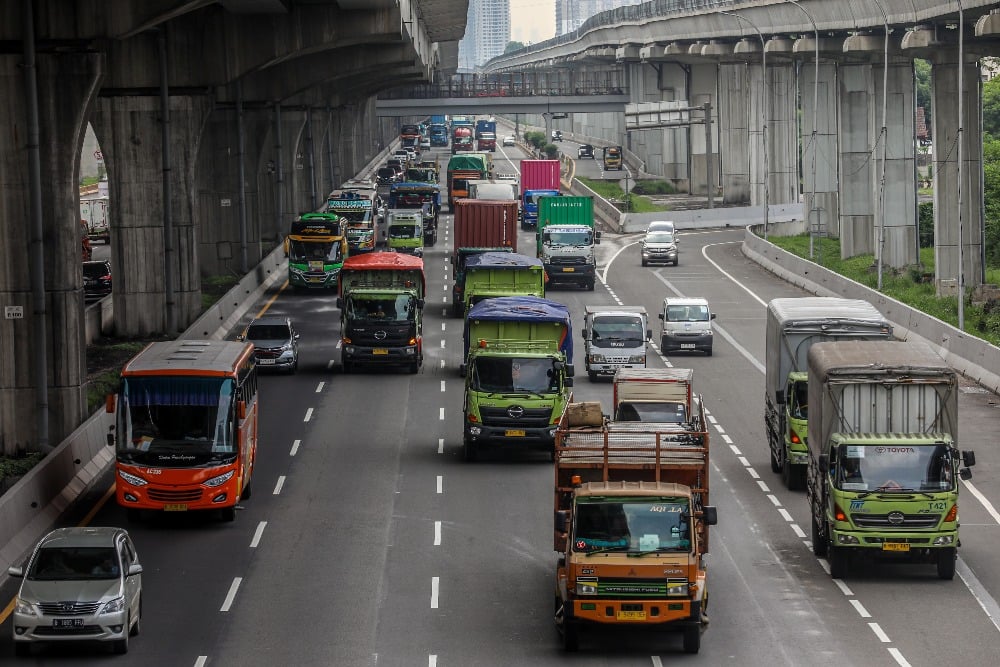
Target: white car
[425, 144]
[509, 140]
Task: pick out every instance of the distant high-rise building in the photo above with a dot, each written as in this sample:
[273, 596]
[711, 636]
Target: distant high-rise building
[486, 33]
[571, 14]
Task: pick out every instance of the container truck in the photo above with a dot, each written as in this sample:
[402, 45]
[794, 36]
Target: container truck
[492, 274]
[884, 461]
[793, 325]
[518, 373]
[486, 135]
[565, 239]
[381, 311]
[631, 525]
[614, 337]
[316, 247]
[437, 119]
[480, 226]
[462, 169]
[539, 178]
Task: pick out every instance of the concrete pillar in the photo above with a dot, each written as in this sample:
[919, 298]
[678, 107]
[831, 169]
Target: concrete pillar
[66, 86]
[857, 173]
[297, 190]
[734, 132]
[755, 93]
[672, 86]
[945, 96]
[704, 87]
[820, 151]
[900, 244]
[782, 134]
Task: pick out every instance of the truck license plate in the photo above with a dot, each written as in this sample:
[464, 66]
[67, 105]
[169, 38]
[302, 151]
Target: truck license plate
[631, 616]
[513, 433]
[568, 269]
[380, 350]
[687, 346]
[895, 546]
[67, 623]
[175, 507]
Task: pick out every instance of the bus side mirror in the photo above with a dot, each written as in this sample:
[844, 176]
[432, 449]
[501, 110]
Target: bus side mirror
[109, 404]
[562, 521]
[823, 463]
[709, 515]
[241, 409]
[420, 303]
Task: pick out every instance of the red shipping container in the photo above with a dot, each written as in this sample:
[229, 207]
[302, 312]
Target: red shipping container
[485, 223]
[539, 175]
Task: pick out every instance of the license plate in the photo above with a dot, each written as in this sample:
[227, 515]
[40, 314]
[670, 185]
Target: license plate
[67, 623]
[568, 269]
[266, 362]
[175, 507]
[514, 433]
[895, 546]
[631, 616]
[687, 346]
[380, 350]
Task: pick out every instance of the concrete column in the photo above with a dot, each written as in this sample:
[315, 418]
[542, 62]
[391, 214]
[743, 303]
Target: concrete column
[734, 132]
[704, 88]
[900, 245]
[857, 173]
[945, 96]
[129, 129]
[755, 102]
[66, 86]
[296, 177]
[672, 87]
[824, 211]
[782, 134]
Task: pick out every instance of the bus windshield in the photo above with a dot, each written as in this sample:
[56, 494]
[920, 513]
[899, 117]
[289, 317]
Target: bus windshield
[305, 251]
[176, 421]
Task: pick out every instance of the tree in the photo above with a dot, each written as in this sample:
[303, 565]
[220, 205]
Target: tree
[991, 107]
[513, 46]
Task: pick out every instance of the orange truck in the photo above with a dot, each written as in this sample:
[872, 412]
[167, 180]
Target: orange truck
[631, 525]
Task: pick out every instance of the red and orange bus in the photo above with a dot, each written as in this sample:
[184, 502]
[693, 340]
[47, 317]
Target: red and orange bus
[185, 432]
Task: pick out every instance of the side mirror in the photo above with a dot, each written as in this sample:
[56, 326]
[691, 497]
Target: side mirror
[420, 303]
[823, 463]
[15, 571]
[969, 458]
[660, 315]
[134, 569]
[111, 439]
[296, 336]
[461, 370]
[965, 474]
[583, 332]
[649, 334]
[241, 409]
[709, 515]
[561, 521]
[713, 316]
[570, 370]
[109, 404]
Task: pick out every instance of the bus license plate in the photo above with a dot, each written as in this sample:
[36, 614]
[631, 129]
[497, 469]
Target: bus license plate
[631, 616]
[380, 350]
[895, 546]
[568, 269]
[687, 346]
[512, 433]
[175, 507]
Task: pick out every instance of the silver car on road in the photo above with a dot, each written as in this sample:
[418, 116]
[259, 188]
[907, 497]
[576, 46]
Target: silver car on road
[80, 584]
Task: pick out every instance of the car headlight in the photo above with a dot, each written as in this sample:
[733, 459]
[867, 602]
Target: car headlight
[22, 606]
[221, 479]
[132, 479]
[586, 587]
[597, 358]
[287, 347]
[114, 606]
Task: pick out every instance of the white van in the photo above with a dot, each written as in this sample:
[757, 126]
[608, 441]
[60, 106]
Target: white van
[614, 337]
[686, 325]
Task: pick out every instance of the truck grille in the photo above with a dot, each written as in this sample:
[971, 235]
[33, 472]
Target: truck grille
[531, 417]
[565, 261]
[380, 336]
[174, 496]
[909, 521]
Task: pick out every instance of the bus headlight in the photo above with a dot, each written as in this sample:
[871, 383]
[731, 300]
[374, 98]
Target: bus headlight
[132, 479]
[220, 479]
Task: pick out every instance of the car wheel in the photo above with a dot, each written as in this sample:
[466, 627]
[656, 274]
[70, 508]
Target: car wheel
[946, 563]
[120, 646]
[645, 263]
[676, 261]
[708, 352]
[692, 639]
[136, 627]
[228, 513]
[295, 366]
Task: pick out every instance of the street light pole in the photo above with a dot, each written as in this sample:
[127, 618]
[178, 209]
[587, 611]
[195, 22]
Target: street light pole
[884, 138]
[960, 157]
[815, 148]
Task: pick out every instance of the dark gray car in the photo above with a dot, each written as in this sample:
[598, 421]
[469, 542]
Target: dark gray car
[276, 342]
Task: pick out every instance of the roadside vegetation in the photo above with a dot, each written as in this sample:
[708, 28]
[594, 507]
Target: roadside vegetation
[636, 202]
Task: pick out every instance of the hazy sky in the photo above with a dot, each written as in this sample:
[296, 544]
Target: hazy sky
[532, 20]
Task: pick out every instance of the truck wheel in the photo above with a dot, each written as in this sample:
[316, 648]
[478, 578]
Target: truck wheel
[775, 463]
[645, 262]
[414, 368]
[348, 367]
[590, 284]
[470, 450]
[791, 476]
[456, 310]
[692, 639]
[838, 559]
[818, 539]
[708, 352]
[946, 563]
[592, 375]
[570, 637]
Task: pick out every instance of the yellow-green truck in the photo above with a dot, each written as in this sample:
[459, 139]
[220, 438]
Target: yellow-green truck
[492, 274]
[518, 373]
[884, 462]
[793, 325]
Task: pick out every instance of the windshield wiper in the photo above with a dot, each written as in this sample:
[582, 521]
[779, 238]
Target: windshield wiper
[602, 550]
[895, 490]
[640, 554]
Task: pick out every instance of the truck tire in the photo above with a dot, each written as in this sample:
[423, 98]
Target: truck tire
[946, 563]
[414, 367]
[570, 637]
[775, 463]
[791, 476]
[838, 558]
[470, 450]
[347, 366]
[818, 539]
[590, 284]
[692, 639]
[645, 263]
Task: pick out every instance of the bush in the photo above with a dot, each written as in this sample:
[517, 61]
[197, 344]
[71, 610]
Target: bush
[551, 151]
[536, 139]
[925, 224]
[653, 188]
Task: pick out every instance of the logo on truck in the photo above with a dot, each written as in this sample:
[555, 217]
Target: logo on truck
[515, 412]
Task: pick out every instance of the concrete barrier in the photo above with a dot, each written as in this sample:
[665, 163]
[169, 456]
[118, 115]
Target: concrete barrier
[730, 216]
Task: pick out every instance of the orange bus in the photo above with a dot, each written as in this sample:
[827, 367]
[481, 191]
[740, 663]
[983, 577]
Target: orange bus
[185, 433]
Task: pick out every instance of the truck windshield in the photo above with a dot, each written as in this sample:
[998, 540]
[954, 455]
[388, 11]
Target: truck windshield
[304, 251]
[629, 525]
[381, 308]
[890, 468]
[687, 313]
[173, 422]
[512, 374]
[617, 329]
[407, 231]
[575, 237]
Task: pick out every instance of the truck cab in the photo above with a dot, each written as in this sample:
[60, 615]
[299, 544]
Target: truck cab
[612, 158]
[614, 337]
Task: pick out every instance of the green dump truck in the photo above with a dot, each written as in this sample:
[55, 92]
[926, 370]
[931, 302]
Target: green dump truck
[492, 274]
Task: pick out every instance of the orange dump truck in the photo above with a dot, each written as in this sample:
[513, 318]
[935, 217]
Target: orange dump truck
[631, 525]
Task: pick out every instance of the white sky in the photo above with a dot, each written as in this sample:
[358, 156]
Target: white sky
[532, 21]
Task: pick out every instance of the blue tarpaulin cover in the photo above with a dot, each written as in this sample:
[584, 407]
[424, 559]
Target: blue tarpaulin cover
[501, 260]
[518, 308]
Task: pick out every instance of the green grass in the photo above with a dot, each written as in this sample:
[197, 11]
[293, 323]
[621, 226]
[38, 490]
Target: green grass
[905, 285]
[610, 190]
[109, 358]
[214, 288]
[88, 180]
[15, 466]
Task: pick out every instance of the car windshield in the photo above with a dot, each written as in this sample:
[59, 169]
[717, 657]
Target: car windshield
[514, 374]
[268, 332]
[693, 313]
[612, 328]
[74, 564]
[659, 237]
[631, 526]
[98, 270]
[927, 468]
[389, 308]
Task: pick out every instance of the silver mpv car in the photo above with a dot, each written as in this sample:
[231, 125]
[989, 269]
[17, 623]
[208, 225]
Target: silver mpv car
[81, 584]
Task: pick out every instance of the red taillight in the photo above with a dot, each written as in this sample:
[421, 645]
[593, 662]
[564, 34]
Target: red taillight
[107, 277]
[473, 418]
[793, 437]
[952, 514]
[838, 514]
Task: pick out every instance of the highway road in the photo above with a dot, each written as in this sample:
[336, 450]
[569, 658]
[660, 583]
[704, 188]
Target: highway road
[370, 542]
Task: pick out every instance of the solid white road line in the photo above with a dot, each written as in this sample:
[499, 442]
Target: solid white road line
[982, 499]
[257, 534]
[231, 595]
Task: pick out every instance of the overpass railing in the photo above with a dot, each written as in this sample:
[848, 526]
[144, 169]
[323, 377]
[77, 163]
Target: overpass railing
[514, 84]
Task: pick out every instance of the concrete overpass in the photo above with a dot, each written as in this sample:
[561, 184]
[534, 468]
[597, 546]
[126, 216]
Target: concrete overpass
[218, 122]
[755, 62]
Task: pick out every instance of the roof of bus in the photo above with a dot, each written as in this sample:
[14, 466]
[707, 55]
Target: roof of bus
[189, 357]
